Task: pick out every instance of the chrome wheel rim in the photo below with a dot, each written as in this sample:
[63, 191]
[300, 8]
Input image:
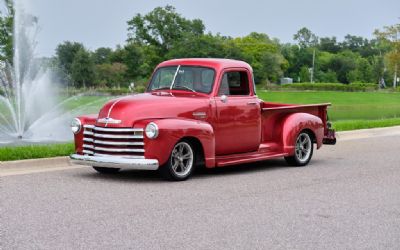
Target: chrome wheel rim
[182, 159]
[303, 147]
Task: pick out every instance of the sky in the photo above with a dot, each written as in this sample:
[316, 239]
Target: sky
[103, 23]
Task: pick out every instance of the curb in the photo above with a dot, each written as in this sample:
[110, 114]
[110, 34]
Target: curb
[11, 168]
[368, 133]
[36, 163]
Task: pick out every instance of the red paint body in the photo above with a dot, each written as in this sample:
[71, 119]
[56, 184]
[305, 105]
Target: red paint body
[243, 129]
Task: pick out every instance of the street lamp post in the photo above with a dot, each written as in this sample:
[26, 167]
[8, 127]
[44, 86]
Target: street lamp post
[312, 69]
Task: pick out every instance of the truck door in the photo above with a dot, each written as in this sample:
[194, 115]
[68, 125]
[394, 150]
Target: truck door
[238, 117]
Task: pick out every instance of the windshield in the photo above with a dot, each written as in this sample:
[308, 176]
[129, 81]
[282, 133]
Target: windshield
[188, 78]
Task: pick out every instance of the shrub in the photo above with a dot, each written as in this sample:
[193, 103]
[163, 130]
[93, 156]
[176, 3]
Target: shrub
[353, 87]
[102, 91]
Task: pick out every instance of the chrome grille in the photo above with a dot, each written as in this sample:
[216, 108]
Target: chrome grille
[124, 142]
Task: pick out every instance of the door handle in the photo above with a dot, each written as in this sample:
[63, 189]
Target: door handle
[252, 103]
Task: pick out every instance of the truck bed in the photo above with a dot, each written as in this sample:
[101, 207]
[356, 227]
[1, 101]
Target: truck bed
[274, 113]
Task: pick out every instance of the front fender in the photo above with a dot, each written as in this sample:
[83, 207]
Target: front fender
[171, 131]
[78, 138]
[293, 124]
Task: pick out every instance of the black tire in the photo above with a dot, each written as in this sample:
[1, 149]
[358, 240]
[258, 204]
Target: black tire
[181, 162]
[304, 149]
[102, 170]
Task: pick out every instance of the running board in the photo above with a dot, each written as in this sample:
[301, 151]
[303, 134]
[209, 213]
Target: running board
[222, 161]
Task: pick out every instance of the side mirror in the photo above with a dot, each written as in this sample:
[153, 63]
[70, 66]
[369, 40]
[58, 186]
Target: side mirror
[224, 98]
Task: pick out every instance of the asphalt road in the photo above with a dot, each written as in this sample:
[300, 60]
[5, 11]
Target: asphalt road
[347, 198]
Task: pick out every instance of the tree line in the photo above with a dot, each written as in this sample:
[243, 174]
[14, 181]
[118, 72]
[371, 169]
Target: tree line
[165, 34]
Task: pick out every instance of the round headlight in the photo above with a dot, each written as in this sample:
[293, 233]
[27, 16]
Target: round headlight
[76, 125]
[151, 130]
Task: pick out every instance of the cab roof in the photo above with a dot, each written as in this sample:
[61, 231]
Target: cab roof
[207, 62]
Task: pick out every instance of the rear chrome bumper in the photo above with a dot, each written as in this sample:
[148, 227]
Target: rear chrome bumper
[330, 137]
[114, 162]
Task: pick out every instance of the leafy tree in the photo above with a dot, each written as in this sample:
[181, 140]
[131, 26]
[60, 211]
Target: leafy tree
[162, 27]
[274, 64]
[304, 74]
[230, 48]
[363, 70]
[82, 69]
[358, 44]
[378, 68]
[6, 31]
[203, 46]
[329, 44]
[324, 60]
[324, 73]
[391, 36]
[305, 38]
[354, 43]
[133, 59]
[256, 49]
[139, 59]
[342, 64]
[66, 53]
[298, 58]
[150, 61]
[326, 76]
[102, 55]
[111, 75]
[289, 52]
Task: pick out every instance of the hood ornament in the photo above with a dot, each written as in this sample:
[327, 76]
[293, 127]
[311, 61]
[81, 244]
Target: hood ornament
[108, 120]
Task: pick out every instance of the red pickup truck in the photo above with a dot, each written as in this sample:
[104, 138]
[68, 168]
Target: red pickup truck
[198, 112]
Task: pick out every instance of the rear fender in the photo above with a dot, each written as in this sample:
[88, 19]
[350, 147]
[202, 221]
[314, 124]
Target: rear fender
[295, 123]
[173, 130]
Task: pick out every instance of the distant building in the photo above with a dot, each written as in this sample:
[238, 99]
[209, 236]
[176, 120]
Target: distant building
[286, 80]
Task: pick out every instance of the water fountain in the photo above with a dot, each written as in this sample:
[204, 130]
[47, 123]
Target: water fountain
[30, 109]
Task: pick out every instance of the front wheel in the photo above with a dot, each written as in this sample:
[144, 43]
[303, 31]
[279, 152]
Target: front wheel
[303, 151]
[180, 163]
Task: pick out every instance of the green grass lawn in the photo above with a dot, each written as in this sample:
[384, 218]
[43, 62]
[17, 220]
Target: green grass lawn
[35, 151]
[85, 104]
[346, 125]
[345, 105]
[349, 110]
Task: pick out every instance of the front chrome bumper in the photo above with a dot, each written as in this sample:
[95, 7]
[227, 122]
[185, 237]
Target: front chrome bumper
[114, 162]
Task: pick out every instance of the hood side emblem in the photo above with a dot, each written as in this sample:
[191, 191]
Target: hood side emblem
[108, 120]
[200, 115]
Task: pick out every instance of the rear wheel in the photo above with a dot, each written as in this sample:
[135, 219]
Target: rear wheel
[107, 170]
[303, 151]
[181, 162]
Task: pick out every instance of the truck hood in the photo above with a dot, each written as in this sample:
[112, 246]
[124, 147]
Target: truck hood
[159, 105]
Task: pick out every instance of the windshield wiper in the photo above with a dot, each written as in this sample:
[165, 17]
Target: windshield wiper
[184, 87]
[160, 88]
[173, 80]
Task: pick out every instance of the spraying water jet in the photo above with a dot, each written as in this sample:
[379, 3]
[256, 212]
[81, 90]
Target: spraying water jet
[28, 93]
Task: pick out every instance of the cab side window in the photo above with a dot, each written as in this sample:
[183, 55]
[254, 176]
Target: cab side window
[234, 83]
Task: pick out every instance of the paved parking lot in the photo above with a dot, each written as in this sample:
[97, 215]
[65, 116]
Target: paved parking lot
[347, 198]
